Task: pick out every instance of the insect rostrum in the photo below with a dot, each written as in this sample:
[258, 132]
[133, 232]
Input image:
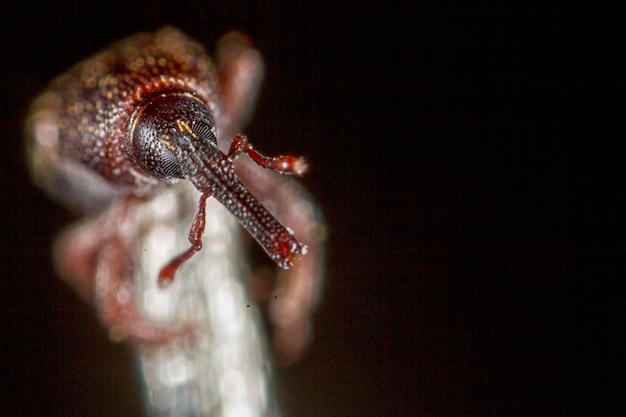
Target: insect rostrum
[140, 119]
[142, 114]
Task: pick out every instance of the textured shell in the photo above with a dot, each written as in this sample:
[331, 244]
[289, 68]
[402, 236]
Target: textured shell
[78, 126]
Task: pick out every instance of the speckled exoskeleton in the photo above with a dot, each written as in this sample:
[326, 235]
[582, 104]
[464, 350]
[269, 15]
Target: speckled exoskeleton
[142, 119]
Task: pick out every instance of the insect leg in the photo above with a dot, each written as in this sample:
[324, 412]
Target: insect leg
[284, 164]
[166, 275]
[299, 288]
[95, 258]
[240, 74]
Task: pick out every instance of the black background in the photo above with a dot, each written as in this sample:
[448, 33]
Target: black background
[468, 159]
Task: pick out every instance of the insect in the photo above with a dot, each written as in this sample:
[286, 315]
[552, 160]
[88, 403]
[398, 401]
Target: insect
[125, 132]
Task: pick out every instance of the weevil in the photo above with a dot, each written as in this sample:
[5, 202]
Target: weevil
[134, 121]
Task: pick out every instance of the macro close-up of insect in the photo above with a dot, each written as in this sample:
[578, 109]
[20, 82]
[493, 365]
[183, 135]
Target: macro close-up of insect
[268, 209]
[144, 141]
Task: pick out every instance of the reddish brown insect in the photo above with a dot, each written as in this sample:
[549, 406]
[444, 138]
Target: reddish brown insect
[132, 121]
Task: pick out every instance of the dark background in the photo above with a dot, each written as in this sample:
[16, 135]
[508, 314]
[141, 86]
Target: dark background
[467, 159]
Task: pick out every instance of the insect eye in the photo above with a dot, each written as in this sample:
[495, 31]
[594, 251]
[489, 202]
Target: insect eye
[205, 131]
[153, 151]
[166, 163]
[156, 129]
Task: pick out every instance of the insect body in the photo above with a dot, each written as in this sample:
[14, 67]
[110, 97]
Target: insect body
[133, 121]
